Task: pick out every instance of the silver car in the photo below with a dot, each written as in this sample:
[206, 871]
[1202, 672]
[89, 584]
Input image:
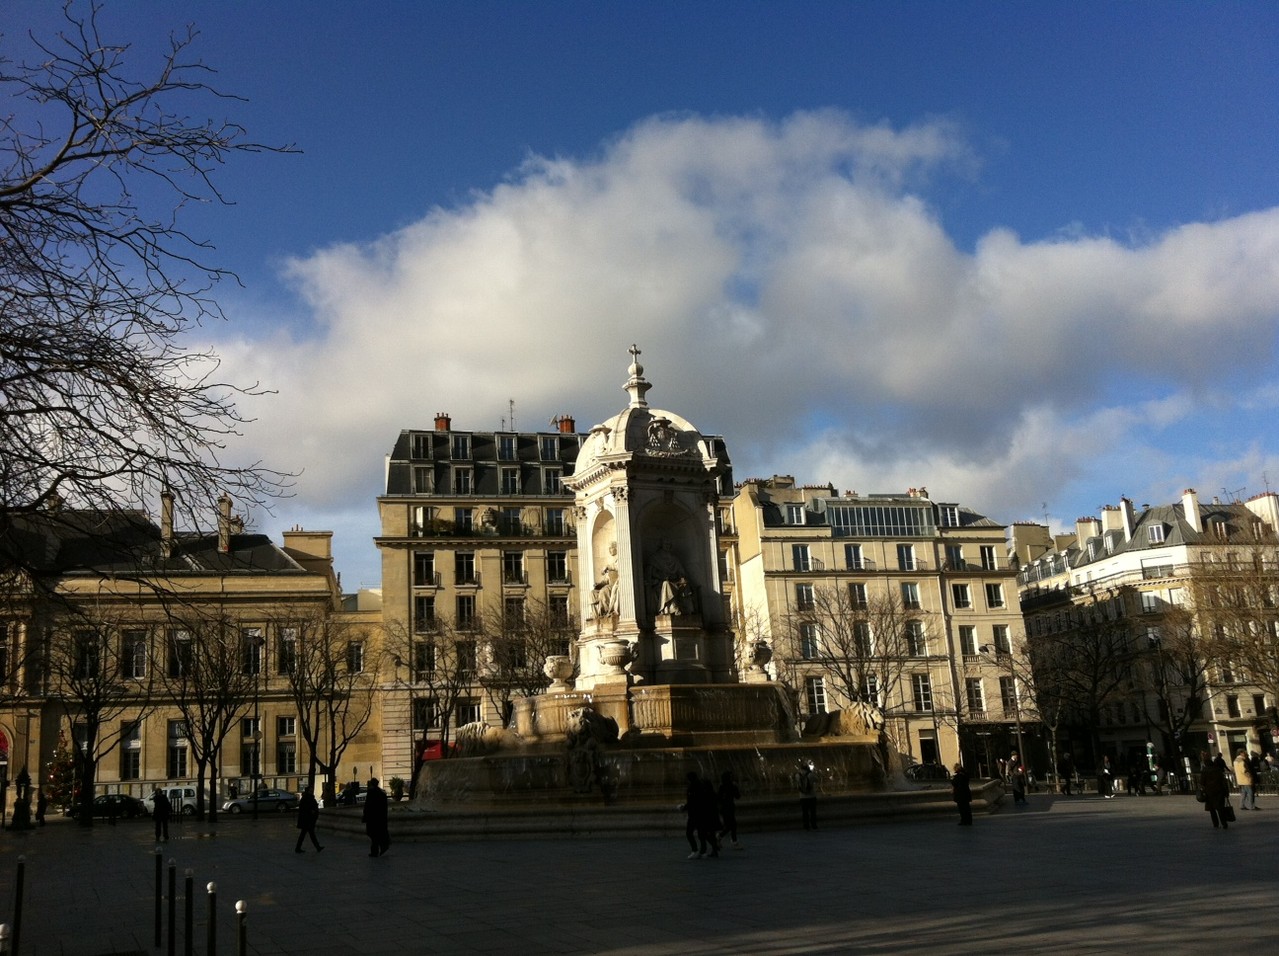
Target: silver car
[268, 800]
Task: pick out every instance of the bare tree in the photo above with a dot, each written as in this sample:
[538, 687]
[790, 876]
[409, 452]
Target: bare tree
[517, 652]
[331, 679]
[1172, 672]
[89, 663]
[210, 673]
[102, 402]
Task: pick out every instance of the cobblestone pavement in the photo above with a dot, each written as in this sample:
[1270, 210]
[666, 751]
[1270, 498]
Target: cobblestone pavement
[1078, 875]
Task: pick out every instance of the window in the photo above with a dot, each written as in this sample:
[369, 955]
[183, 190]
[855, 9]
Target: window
[968, 640]
[804, 597]
[557, 567]
[467, 711]
[906, 557]
[464, 567]
[988, 560]
[287, 650]
[1232, 706]
[870, 689]
[857, 596]
[1259, 704]
[1149, 602]
[286, 726]
[948, 516]
[548, 447]
[1008, 696]
[809, 638]
[462, 481]
[423, 480]
[251, 650]
[881, 521]
[87, 648]
[464, 520]
[420, 520]
[994, 596]
[424, 569]
[1155, 534]
[422, 445]
[794, 514]
[800, 560]
[510, 481]
[1002, 639]
[815, 694]
[506, 448]
[555, 522]
[551, 483]
[461, 447]
[131, 750]
[557, 607]
[250, 727]
[955, 556]
[916, 640]
[423, 661]
[286, 757]
[133, 654]
[179, 653]
[424, 613]
[922, 692]
[425, 710]
[513, 567]
[355, 657]
[466, 619]
[975, 694]
[513, 613]
[863, 640]
[961, 596]
[910, 596]
[177, 750]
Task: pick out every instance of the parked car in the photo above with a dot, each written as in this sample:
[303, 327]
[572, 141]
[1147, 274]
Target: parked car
[268, 799]
[124, 806]
[181, 800]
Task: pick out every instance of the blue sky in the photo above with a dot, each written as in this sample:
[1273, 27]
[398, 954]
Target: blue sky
[1025, 254]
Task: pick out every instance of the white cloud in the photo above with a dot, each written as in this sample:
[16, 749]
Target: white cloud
[784, 280]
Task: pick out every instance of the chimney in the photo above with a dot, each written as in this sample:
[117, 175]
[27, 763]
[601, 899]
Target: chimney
[166, 523]
[224, 524]
[1190, 505]
[1130, 521]
[1111, 519]
[442, 422]
[1086, 528]
[567, 425]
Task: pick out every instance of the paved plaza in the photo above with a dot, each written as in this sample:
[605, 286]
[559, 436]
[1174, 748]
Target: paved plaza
[1078, 875]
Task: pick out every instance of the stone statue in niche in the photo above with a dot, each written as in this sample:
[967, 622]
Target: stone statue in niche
[669, 591]
[604, 593]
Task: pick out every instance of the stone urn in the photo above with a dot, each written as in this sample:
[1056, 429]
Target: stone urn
[616, 656]
[761, 653]
[559, 668]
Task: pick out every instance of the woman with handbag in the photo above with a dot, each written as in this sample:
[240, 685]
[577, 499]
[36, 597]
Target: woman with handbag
[1215, 789]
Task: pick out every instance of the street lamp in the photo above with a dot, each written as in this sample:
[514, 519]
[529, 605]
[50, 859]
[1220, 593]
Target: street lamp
[988, 652]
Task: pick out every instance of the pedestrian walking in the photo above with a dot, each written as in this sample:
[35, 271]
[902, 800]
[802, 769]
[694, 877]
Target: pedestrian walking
[1255, 764]
[702, 817]
[1215, 789]
[308, 817]
[1247, 782]
[727, 797]
[806, 784]
[160, 811]
[962, 794]
[42, 804]
[1066, 770]
[377, 819]
[1017, 778]
[1106, 780]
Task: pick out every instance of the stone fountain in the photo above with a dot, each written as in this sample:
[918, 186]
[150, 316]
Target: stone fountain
[657, 692]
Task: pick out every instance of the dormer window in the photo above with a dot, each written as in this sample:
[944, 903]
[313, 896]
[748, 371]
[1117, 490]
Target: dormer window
[794, 514]
[1155, 534]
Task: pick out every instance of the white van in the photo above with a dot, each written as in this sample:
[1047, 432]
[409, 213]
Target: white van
[181, 799]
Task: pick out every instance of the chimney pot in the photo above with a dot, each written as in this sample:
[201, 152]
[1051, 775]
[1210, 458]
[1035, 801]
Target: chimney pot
[443, 422]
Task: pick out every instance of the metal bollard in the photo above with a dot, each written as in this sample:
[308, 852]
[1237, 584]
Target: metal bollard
[17, 902]
[173, 907]
[159, 894]
[189, 915]
[242, 932]
[211, 944]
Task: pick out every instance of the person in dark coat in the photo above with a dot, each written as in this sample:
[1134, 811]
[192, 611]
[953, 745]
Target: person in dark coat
[962, 794]
[160, 814]
[42, 804]
[727, 797]
[806, 784]
[1216, 789]
[702, 817]
[376, 819]
[308, 817]
[1066, 771]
